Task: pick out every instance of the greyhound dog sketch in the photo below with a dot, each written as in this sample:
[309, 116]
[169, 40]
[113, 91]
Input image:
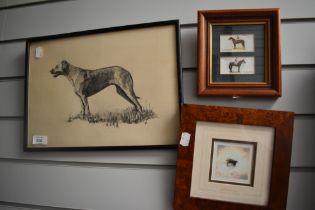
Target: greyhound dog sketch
[87, 82]
[236, 63]
[237, 41]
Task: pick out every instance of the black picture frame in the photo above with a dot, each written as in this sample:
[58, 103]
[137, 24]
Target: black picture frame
[171, 28]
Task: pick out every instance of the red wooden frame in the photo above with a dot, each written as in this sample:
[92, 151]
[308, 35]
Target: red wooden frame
[282, 122]
[272, 85]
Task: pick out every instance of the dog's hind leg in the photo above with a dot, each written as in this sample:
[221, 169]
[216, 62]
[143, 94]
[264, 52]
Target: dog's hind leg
[130, 97]
[86, 107]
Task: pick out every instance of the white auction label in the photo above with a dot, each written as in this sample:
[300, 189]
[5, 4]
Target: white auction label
[40, 139]
[184, 141]
[39, 52]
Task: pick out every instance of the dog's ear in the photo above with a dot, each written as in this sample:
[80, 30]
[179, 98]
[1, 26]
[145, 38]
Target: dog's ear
[64, 64]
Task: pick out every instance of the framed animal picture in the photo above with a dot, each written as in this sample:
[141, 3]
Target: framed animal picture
[104, 89]
[239, 53]
[233, 158]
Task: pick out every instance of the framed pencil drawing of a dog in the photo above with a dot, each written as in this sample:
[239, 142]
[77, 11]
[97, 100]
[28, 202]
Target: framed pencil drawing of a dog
[106, 88]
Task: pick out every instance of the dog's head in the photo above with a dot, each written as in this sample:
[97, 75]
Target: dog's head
[60, 69]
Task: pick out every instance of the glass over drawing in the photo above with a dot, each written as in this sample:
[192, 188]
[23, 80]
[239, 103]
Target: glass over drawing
[232, 162]
[102, 89]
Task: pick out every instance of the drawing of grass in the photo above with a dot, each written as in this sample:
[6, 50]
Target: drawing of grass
[127, 116]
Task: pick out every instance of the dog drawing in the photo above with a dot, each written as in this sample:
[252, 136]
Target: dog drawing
[87, 82]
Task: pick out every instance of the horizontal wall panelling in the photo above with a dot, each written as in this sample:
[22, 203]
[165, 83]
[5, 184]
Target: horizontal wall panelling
[298, 94]
[12, 54]
[87, 187]
[2, 23]
[19, 206]
[12, 98]
[11, 133]
[12, 57]
[10, 4]
[108, 187]
[45, 19]
[303, 154]
[301, 191]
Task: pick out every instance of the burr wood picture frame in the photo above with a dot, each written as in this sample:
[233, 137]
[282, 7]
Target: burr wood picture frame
[237, 158]
[239, 53]
[113, 88]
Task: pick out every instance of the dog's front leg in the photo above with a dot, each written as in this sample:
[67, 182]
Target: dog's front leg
[85, 110]
[82, 105]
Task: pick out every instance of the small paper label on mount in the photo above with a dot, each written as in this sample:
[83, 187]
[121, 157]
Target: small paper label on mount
[236, 97]
[40, 140]
[184, 141]
[39, 52]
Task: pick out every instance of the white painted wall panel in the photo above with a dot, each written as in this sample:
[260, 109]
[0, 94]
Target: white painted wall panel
[301, 190]
[12, 55]
[3, 3]
[298, 45]
[113, 188]
[11, 135]
[12, 59]
[303, 145]
[2, 22]
[189, 47]
[69, 16]
[19, 2]
[3, 207]
[12, 98]
[87, 187]
[298, 94]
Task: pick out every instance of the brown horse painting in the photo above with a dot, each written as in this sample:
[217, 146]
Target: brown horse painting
[237, 41]
[237, 64]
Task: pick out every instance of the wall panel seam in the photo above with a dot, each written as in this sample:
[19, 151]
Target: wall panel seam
[11, 78]
[182, 26]
[5, 118]
[283, 21]
[131, 166]
[296, 116]
[25, 206]
[304, 115]
[285, 67]
[30, 4]
[127, 166]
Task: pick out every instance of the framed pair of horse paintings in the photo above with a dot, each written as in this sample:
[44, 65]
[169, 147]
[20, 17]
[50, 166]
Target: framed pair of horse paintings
[239, 53]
